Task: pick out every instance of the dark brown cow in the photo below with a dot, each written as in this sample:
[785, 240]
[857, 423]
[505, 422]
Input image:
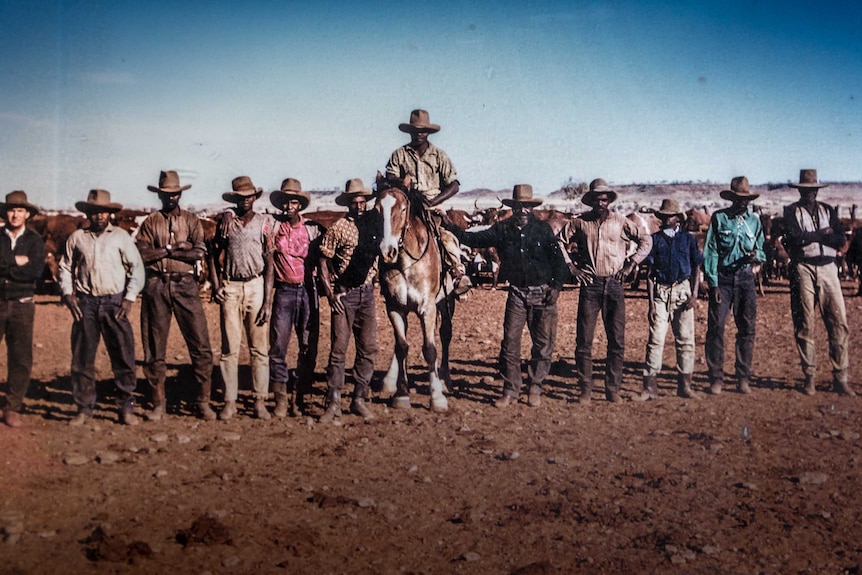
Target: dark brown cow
[696, 220]
[55, 230]
[325, 217]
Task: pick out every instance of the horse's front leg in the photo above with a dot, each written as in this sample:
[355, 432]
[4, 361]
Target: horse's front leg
[446, 308]
[396, 378]
[429, 351]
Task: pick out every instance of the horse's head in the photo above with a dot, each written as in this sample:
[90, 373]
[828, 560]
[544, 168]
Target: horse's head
[395, 212]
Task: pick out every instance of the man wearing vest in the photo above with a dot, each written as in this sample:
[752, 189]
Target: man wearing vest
[813, 236]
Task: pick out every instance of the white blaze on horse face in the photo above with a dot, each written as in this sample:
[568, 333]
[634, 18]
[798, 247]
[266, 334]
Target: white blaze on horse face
[389, 243]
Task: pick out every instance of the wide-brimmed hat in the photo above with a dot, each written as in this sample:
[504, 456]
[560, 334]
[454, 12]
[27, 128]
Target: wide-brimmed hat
[808, 179]
[599, 186]
[242, 188]
[419, 122]
[291, 189]
[522, 194]
[739, 189]
[352, 188]
[98, 201]
[17, 199]
[169, 182]
[668, 209]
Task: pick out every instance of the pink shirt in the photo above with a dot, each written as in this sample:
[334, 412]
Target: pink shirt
[291, 250]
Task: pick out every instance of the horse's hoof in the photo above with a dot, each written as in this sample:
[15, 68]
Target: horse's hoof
[439, 405]
[401, 402]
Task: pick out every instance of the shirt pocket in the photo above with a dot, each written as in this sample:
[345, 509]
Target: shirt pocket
[725, 239]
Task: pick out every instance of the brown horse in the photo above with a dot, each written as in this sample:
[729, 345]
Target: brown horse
[410, 277]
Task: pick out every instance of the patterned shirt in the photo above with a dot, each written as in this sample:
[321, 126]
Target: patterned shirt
[728, 240]
[291, 244]
[161, 229]
[246, 247]
[352, 245]
[431, 172]
[103, 264]
[605, 244]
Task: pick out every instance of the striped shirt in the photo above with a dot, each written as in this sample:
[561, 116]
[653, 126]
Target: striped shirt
[604, 245]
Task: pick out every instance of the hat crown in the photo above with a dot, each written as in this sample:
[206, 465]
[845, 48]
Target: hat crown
[16, 198]
[355, 186]
[420, 121]
[420, 118]
[169, 180]
[99, 197]
[522, 192]
[808, 176]
[599, 185]
[291, 185]
[739, 185]
[242, 184]
[669, 206]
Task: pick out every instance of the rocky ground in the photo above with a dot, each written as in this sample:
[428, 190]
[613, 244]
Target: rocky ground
[763, 483]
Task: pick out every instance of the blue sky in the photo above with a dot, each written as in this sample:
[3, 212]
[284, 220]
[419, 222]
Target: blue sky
[107, 94]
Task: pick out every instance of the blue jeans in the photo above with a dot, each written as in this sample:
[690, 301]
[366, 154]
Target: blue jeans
[360, 319]
[737, 292]
[98, 323]
[605, 296]
[524, 306]
[294, 309]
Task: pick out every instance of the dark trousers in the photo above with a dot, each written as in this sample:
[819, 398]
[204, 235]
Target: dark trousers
[524, 306]
[176, 295]
[737, 292]
[605, 296]
[360, 319]
[98, 322]
[16, 324]
[294, 310]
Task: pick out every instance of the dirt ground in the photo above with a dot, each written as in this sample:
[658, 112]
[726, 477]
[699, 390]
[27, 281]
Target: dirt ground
[764, 483]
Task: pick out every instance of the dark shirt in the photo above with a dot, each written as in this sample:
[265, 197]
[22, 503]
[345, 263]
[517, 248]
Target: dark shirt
[528, 257]
[673, 259]
[16, 281]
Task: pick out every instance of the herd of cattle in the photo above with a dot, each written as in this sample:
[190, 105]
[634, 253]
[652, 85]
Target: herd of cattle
[55, 228]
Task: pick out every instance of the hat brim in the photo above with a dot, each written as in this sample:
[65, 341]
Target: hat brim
[808, 186]
[88, 208]
[345, 197]
[590, 196]
[663, 215]
[169, 190]
[279, 199]
[4, 207]
[730, 195]
[234, 197]
[410, 128]
[512, 203]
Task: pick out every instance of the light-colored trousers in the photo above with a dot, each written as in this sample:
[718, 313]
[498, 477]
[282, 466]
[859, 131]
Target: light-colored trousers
[669, 301]
[818, 289]
[238, 313]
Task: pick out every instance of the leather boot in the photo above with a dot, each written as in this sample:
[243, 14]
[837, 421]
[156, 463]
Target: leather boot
[715, 387]
[650, 390]
[743, 386]
[809, 388]
[358, 407]
[333, 406]
[683, 387]
[260, 410]
[842, 387]
[586, 393]
[281, 405]
[206, 412]
[228, 411]
[158, 412]
[534, 398]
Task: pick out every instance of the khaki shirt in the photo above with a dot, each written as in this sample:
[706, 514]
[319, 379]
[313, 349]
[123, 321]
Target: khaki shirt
[104, 264]
[431, 172]
[605, 244]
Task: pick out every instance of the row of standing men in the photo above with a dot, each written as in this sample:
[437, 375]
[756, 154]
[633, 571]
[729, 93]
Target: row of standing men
[262, 266]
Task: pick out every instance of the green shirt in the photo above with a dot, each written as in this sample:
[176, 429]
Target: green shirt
[728, 240]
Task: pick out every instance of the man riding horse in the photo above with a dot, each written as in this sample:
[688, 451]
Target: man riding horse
[424, 168]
